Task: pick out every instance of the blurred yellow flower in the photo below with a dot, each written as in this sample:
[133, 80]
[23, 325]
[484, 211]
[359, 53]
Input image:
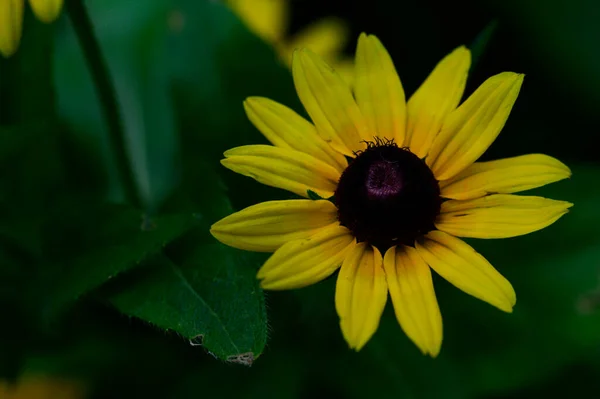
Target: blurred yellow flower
[11, 20]
[46, 10]
[269, 20]
[42, 387]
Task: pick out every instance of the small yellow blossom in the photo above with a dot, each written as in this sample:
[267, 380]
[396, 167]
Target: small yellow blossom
[42, 387]
[46, 10]
[11, 20]
[269, 20]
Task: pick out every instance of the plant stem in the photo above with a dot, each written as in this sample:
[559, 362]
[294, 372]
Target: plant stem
[107, 95]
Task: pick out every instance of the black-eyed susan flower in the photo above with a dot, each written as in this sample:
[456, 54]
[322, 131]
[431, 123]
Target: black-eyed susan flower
[11, 20]
[269, 20]
[399, 183]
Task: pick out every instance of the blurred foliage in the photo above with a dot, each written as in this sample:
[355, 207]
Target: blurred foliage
[133, 302]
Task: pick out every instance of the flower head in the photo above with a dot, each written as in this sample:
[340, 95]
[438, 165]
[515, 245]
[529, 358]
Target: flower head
[398, 182]
[11, 20]
[269, 20]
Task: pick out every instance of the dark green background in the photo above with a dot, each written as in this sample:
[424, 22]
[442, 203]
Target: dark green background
[144, 303]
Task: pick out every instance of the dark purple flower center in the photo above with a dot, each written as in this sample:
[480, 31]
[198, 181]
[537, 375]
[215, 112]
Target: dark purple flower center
[387, 196]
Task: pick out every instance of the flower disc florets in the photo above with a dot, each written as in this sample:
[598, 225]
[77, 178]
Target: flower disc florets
[387, 196]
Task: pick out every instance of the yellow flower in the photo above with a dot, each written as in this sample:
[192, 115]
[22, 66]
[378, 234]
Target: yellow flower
[269, 19]
[46, 10]
[11, 20]
[42, 387]
[401, 184]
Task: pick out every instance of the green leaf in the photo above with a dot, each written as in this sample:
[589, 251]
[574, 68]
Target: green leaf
[135, 51]
[88, 247]
[211, 298]
[216, 63]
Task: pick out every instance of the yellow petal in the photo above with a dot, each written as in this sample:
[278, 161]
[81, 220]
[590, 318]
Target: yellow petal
[267, 226]
[329, 102]
[504, 176]
[361, 294]
[11, 24]
[286, 129]
[411, 288]
[46, 10]
[379, 93]
[499, 215]
[267, 19]
[439, 95]
[473, 127]
[462, 266]
[304, 262]
[326, 37]
[288, 169]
